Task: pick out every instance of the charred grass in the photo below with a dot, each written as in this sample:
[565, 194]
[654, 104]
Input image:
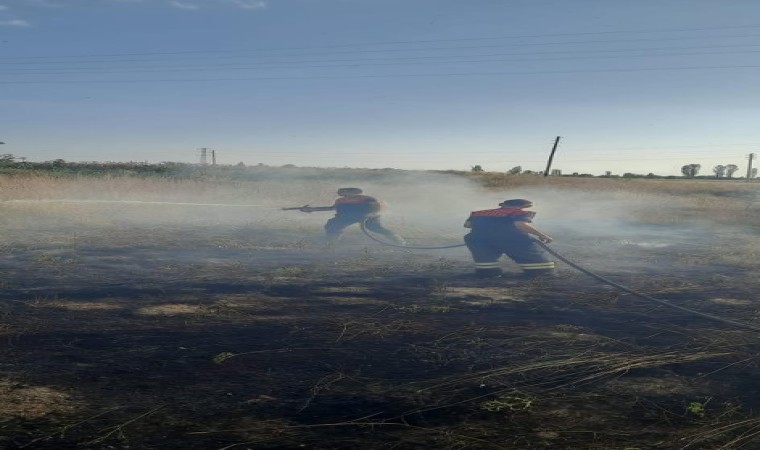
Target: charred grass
[254, 336]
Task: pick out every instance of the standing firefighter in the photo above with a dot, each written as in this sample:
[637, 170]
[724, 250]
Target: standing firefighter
[353, 207]
[506, 230]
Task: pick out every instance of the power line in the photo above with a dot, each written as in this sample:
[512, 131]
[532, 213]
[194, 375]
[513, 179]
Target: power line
[356, 64]
[405, 157]
[398, 50]
[406, 58]
[676, 146]
[418, 75]
[501, 152]
[739, 152]
[529, 36]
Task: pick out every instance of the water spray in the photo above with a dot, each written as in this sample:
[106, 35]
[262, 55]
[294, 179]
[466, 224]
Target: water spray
[369, 234]
[140, 202]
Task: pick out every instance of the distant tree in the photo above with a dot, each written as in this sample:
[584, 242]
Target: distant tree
[690, 170]
[7, 159]
[515, 170]
[477, 168]
[731, 170]
[241, 164]
[651, 175]
[719, 171]
[753, 172]
[607, 173]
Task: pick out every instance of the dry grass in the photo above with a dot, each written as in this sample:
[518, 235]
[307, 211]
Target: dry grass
[32, 402]
[154, 189]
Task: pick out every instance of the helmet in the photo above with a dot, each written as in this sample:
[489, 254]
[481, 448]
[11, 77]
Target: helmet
[516, 202]
[349, 190]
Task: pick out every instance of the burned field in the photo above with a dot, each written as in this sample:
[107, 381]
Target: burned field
[198, 332]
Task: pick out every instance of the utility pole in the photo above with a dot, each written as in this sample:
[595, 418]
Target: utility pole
[749, 166]
[551, 156]
[213, 157]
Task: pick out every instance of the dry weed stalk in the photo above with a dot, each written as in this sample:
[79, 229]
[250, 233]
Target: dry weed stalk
[322, 384]
[749, 431]
[63, 430]
[118, 430]
[271, 430]
[581, 369]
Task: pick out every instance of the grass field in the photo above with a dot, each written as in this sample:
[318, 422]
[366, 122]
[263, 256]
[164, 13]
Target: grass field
[192, 313]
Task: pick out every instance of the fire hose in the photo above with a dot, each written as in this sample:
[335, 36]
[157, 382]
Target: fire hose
[644, 296]
[592, 275]
[363, 224]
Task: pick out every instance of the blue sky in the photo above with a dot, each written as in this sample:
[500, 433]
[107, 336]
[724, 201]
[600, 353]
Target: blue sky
[631, 86]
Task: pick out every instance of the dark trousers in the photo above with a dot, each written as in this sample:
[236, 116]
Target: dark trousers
[334, 227]
[486, 251]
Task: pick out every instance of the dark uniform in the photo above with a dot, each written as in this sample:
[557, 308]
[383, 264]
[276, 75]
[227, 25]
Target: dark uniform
[494, 233]
[357, 209]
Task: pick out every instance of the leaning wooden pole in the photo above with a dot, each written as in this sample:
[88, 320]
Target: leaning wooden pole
[551, 156]
[749, 167]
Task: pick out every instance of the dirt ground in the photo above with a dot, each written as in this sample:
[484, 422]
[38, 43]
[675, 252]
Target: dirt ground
[254, 338]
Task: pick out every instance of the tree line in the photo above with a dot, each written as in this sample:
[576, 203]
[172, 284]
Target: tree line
[720, 170]
[10, 163]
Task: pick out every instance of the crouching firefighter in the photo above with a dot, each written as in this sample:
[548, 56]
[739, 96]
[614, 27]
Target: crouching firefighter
[350, 208]
[507, 230]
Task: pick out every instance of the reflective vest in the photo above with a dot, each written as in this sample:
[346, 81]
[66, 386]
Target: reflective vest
[356, 205]
[499, 222]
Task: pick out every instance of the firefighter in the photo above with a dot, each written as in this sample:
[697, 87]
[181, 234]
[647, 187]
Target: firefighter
[507, 230]
[350, 208]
